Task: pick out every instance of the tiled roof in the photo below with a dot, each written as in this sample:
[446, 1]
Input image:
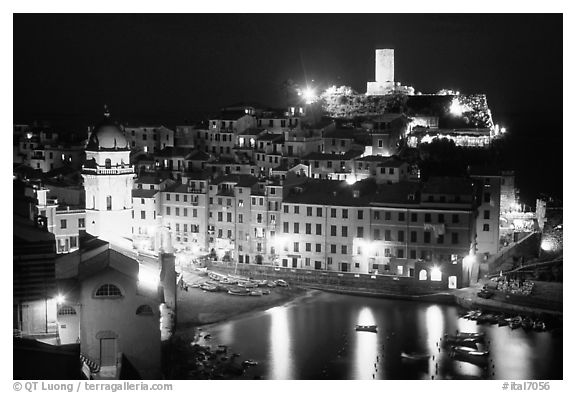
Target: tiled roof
[138, 193]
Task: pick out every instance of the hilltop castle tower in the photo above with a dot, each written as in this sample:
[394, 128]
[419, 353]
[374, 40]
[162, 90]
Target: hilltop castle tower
[384, 83]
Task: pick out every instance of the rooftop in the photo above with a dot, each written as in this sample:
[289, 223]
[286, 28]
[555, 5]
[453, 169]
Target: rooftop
[138, 193]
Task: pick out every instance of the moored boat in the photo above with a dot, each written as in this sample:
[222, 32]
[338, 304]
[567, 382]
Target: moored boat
[255, 293]
[470, 335]
[465, 351]
[209, 287]
[367, 328]
[415, 356]
[247, 284]
[281, 283]
[238, 293]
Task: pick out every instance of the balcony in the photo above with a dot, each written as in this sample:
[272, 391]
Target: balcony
[108, 171]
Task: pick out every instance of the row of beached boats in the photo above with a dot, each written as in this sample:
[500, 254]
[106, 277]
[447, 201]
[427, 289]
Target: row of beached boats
[515, 322]
[238, 286]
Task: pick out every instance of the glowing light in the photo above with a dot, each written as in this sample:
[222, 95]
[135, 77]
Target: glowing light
[456, 108]
[60, 299]
[435, 274]
[468, 260]
[548, 244]
[503, 130]
[29, 135]
[351, 180]
[309, 95]
[148, 277]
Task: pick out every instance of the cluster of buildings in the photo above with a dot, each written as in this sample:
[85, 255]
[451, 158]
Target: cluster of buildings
[100, 225]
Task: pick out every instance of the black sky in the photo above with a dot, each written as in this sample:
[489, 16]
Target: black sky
[165, 68]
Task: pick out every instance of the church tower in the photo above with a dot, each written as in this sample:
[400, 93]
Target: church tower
[108, 182]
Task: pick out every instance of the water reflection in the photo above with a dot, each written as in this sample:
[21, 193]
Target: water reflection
[280, 341]
[315, 339]
[435, 329]
[365, 365]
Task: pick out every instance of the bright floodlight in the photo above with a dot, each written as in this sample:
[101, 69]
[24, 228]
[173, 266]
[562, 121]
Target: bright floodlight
[456, 108]
[351, 180]
[547, 245]
[60, 299]
[435, 274]
[148, 277]
[309, 95]
[468, 260]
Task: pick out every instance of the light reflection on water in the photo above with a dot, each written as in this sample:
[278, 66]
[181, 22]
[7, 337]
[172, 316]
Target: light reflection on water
[366, 348]
[279, 343]
[315, 339]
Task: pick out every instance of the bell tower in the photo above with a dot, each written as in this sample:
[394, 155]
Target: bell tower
[108, 183]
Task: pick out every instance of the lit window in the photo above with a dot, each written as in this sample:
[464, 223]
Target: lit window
[66, 310]
[108, 290]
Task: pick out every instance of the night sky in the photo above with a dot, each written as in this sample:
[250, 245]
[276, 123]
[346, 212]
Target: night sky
[165, 69]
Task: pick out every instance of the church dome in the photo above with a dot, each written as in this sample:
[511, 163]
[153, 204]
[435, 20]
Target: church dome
[107, 136]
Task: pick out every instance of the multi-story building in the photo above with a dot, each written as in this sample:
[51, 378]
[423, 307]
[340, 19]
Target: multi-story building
[331, 166]
[367, 228]
[149, 139]
[488, 188]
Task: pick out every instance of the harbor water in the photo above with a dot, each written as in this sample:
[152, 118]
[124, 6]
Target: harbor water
[314, 338]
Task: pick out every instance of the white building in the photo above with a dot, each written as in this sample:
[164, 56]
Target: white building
[108, 182]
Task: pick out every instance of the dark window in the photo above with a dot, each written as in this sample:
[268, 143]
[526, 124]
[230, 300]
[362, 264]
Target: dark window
[308, 228]
[400, 253]
[333, 213]
[333, 248]
[376, 215]
[387, 235]
[414, 217]
[413, 236]
[143, 215]
[487, 197]
[455, 218]
[309, 211]
[344, 213]
[296, 227]
[412, 254]
[332, 230]
[486, 214]
[318, 212]
[319, 229]
[401, 216]
[144, 310]
[440, 239]
[296, 247]
[376, 234]
[360, 214]
[441, 218]
[63, 224]
[454, 238]
[308, 247]
[344, 231]
[427, 217]
[486, 227]
[286, 227]
[360, 232]
[344, 249]
[426, 237]
[400, 236]
[387, 216]
[318, 247]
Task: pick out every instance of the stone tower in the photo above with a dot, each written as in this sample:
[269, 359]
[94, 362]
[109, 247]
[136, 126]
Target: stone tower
[384, 73]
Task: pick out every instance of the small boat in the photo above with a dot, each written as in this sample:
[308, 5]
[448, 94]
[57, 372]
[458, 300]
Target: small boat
[214, 277]
[415, 356]
[271, 284]
[250, 363]
[247, 284]
[470, 335]
[465, 351]
[209, 287]
[265, 292]
[539, 326]
[515, 324]
[464, 342]
[238, 293]
[367, 328]
[194, 285]
[527, 324]
[281, 283]
[503, 321]
[228, 281]
[255, 293]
